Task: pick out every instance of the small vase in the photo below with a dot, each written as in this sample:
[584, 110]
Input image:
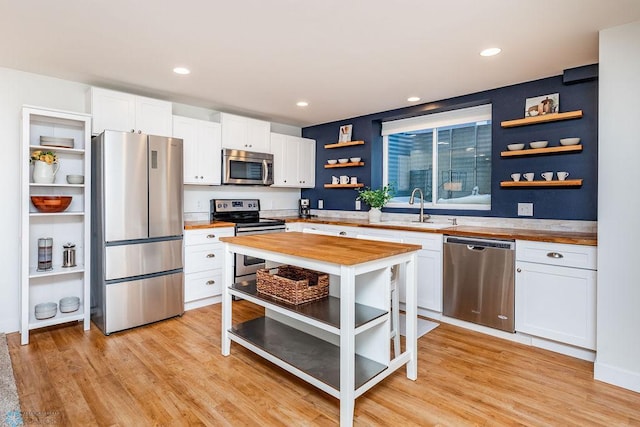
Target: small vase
[374, 215]
[44, 173]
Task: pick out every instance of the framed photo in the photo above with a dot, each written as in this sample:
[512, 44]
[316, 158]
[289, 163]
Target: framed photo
[345, 133]
[540, 105]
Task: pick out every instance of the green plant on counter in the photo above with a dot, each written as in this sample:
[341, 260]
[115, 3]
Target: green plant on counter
[376, 198]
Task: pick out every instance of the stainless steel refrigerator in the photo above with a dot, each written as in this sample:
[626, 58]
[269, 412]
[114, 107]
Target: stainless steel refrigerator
[137, 229]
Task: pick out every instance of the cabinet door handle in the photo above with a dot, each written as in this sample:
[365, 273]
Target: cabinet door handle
[555, 255]
[211, 236]
[343, 233]
[210, 282]
[211, 255]
[519, 270]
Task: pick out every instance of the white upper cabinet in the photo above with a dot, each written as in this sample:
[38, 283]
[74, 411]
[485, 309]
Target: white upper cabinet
[201, 150]
[129, 113]
[294, 161]
[243, 133]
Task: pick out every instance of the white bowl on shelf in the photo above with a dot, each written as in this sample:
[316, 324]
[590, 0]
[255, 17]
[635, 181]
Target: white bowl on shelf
[343, 160]
[332, 161]
[538, 144]
[75, 179]
[46, 310]
[515, 147]
[355, 159]
[69, 304]
[569, 141]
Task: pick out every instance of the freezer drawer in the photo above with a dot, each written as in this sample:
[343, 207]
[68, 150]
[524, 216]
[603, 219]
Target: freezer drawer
[137, 259]
[138, 302]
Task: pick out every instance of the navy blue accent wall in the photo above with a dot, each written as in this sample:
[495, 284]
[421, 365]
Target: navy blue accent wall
[508, 104]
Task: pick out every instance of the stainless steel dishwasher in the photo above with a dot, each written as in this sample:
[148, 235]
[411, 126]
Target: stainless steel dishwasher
[479, 281]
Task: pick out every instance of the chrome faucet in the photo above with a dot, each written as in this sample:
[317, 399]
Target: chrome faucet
[423, 217]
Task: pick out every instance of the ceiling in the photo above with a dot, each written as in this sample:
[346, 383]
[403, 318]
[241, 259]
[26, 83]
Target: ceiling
[346, 58]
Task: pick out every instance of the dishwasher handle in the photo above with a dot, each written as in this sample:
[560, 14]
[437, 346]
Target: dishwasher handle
[480, 244]
[476, 248]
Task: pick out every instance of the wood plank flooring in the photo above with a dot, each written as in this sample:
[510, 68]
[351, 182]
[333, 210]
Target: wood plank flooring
[172, 373]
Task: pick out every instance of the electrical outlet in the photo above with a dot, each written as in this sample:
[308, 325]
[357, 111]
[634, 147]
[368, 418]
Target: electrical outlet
[320, 204]
[525, 209]
[198, 205]
[358, 205]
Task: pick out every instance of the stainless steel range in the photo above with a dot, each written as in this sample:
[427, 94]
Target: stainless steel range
[245, 213]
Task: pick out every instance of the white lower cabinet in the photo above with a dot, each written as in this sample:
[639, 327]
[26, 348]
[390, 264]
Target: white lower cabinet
[429, 269]
[203, 265]
[556, 292]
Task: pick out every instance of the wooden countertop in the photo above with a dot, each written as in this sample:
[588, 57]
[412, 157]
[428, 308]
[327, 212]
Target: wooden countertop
[337, 250]
[197, 225]
[551, 236]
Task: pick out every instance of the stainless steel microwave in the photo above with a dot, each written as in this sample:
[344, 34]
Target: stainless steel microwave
[246, 167]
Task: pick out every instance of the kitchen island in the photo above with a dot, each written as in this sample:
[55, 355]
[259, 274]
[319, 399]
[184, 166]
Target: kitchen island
[340, 344]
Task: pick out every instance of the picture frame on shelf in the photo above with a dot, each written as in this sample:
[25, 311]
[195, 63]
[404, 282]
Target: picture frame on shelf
[345, 133]
[540, 105]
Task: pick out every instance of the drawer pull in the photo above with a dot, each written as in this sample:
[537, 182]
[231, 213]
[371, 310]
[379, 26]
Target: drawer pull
[210, 282]
[211, 236]
[343, 233]
[555, 255]
[211, 255]
[519, 270]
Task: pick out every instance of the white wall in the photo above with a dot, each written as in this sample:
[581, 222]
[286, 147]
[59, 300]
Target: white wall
[17, 89]
[618, 346]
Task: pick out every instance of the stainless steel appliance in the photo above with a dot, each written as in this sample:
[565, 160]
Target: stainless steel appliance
[479, 281]
[137, 228]
[304, 208]
[245, 213]
[246, 167]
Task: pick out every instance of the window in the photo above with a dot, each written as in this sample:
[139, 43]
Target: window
[447, 155]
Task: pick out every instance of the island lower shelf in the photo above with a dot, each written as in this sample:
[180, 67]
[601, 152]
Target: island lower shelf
[311, 355]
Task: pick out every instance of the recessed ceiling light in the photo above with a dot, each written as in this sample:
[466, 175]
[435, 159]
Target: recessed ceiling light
[413, 99]
[491, 51]
[302, 103]
[181, 70]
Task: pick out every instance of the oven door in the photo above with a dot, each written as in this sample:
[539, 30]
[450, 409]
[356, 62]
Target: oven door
[245, 265]
[248, 168]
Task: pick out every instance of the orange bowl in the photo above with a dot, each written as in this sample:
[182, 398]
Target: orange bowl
[49, 204]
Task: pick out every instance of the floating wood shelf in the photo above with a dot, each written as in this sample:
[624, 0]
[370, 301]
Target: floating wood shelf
[541, 119]
[343, 165]
[565, 183]
[546, 150]
[343, 185]
[343, 144]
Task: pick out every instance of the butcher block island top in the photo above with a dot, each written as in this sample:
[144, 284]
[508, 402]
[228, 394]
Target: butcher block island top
[323, 248]
[340, 344]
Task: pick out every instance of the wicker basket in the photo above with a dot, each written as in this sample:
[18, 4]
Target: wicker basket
[292, 284]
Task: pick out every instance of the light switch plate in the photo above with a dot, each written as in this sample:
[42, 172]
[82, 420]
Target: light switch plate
[525, 209]
[320, 204]
[358, 205]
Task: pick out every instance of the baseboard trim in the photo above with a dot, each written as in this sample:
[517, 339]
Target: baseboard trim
[617, 376]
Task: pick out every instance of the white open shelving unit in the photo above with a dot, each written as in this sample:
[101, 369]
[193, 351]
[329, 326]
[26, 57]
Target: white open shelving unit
[73, 225]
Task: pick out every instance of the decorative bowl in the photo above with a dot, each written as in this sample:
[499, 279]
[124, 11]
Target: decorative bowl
[515, 147]
[343, 160]
[538, 144]
[75, 179]
[69, 304]
[45, 310]
[569, 141]
[332, 161]
[355, 159]
[51, 204]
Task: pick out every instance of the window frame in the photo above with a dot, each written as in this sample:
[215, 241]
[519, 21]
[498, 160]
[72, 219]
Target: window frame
[435, 121]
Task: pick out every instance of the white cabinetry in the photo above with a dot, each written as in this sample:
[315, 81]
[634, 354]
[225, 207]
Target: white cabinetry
[294, 161]
[129, 113]
[243, 133]
[72, 225]
[202, 150]
[429, 269]
[203, 266]
[556, 292]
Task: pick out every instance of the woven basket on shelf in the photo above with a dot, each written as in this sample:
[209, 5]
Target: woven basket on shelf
[292, 284]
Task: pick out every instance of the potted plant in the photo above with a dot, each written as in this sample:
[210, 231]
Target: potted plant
[376, 199]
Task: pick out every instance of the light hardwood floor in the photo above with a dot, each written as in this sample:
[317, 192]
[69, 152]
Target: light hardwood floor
[172, 373]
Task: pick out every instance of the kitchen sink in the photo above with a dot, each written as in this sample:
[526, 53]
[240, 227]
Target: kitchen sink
[416, 224]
